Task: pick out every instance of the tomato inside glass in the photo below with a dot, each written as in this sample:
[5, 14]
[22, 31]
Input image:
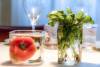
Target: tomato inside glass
[22, 48]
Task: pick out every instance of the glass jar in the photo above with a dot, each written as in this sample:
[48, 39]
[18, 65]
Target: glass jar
[71, 55]
[25, 46]
[69, 48]
[89, 35]
[50, 45]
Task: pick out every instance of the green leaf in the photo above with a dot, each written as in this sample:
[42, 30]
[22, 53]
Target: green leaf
[69, 19]
[79, 16]
[88, 19]
[69, 11]
[51, 23]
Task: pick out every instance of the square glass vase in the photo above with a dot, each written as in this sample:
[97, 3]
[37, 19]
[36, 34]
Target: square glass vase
[25, 46]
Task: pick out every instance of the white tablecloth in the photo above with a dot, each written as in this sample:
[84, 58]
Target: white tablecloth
[90, 58]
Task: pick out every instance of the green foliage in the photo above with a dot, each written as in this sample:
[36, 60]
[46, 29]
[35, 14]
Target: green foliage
[70, 25]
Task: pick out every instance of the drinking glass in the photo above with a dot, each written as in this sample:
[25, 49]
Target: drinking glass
[50, 44]
[32, 10]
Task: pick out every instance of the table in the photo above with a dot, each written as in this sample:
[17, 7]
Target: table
[90, 58]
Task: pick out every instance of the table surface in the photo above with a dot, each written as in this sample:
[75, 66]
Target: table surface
[90, 58]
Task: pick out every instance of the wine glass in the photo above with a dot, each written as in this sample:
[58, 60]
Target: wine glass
[32, 10]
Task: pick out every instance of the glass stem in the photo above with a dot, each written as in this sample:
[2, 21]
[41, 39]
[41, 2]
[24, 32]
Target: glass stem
[33, 27]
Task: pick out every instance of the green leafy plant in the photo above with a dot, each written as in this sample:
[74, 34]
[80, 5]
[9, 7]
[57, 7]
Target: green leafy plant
[72, 23]
[70, 26]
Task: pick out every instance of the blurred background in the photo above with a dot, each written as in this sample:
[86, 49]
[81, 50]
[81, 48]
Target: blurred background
[12, 12]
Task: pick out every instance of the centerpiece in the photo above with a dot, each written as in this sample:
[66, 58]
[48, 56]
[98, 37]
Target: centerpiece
[25, 46]
[69, 34]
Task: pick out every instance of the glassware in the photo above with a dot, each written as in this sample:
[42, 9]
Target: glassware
[89, 35]
[26, 46]
[51, 35]
[69, 54]
[32, 9]
[50, 45]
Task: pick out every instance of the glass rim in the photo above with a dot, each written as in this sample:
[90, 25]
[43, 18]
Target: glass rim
[38, 33]
[13, 31]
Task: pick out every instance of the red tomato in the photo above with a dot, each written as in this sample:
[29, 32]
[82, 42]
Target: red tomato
[22, 48]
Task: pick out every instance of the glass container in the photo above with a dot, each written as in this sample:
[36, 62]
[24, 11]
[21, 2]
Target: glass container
[26, 46]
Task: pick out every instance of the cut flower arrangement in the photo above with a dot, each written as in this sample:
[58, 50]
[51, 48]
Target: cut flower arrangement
[69, 33]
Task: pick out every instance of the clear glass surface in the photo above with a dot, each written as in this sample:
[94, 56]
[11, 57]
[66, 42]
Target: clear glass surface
[32, 9]
[50, 44]
[37, 36]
